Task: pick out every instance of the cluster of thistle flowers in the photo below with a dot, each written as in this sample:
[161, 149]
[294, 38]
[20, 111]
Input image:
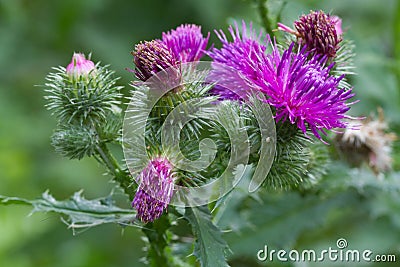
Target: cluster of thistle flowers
[298, 79]
[297, 82]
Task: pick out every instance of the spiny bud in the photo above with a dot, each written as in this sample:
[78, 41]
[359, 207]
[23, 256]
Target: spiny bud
[151, 57]
[82, 93]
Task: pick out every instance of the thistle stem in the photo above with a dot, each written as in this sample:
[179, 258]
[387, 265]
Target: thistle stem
[263, 11]
[158, 238]
[121, 176]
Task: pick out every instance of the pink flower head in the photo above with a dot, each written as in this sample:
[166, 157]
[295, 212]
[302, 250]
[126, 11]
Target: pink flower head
[338, 24]
[296, 82]
[155, 190]
[79, 66]
[301, 89]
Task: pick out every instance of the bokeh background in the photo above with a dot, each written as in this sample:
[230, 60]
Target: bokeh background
[36, 35]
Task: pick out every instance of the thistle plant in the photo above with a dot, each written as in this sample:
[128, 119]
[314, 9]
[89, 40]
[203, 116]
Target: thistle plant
[261, 112]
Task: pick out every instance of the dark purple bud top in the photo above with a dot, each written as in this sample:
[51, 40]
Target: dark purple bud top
[151, 57]
[319, 31]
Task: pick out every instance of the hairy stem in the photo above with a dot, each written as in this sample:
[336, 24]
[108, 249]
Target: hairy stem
[265, 20]
[158, 238]
[121, 176]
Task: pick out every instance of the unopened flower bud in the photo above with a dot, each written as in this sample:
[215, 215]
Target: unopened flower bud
[319, 31]
[151, 57]
[155, 190]
[79, 66]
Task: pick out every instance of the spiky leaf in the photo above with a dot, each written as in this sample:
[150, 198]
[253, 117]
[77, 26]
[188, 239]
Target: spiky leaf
[210, 247]
[79, 212]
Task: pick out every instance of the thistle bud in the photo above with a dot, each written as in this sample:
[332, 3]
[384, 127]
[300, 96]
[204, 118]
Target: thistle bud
[155, 190]
[79, 66]
[318, 31]
[151, 57]
[82, 93]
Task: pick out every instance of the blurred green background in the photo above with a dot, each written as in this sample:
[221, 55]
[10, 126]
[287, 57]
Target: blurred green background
[36, 35]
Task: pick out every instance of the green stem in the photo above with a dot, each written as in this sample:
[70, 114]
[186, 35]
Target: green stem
[263, 11]
[158, 238]
[121, 176]
[108, 159]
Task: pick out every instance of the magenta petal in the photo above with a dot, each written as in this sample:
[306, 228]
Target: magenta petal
[186, 42]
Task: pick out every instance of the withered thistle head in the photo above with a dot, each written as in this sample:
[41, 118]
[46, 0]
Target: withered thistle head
[368, 141]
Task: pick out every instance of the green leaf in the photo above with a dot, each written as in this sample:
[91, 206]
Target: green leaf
[210, 247]
[277, 220]
[79, 212]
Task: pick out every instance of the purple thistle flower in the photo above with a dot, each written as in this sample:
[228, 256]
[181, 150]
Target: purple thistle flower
[152, 57]
[301, 89]
[156, 184]
[235, 62]
[298, 85]
[186, 42]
